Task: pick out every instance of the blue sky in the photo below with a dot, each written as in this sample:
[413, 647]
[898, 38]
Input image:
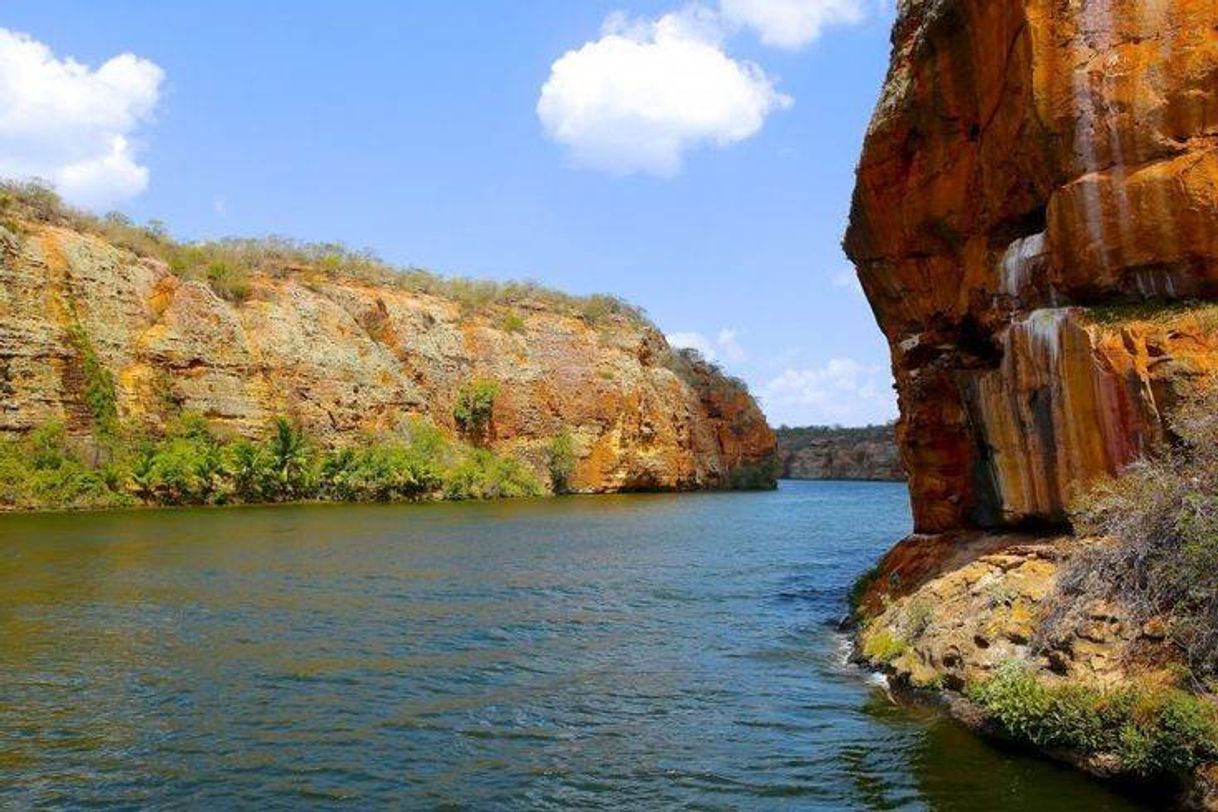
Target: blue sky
[413, 128]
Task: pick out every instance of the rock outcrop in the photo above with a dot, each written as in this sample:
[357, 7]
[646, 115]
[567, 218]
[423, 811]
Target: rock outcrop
[1030, 160]
[868, 453]
[1035, 224]
[345, 357]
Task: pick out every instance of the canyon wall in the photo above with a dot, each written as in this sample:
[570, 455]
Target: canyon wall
[1035, 224]
[345, 357]
[868, 453]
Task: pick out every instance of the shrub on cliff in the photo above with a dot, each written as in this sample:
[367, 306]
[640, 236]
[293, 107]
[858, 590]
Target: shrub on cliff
[1161, 519]
[562, 462]
[475, 405]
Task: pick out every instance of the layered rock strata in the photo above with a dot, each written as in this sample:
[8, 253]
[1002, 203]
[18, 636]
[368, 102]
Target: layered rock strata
[345, 358]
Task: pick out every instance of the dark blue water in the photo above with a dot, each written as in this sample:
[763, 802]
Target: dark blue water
[607, 652]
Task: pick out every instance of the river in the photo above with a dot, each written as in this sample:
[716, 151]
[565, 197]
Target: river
[649, 651]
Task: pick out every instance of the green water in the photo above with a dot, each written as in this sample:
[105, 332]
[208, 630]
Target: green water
[612, 652]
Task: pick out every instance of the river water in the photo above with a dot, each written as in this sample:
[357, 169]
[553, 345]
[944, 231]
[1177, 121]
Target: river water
[646, 652]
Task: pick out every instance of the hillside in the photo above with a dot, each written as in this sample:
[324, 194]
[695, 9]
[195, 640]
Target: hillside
[105, 324]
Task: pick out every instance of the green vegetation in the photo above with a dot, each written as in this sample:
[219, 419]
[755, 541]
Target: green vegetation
[190, 464]
[1160, 312]
[759, 476]
[230, 282]
[475, 405]
[562, 462]
[704, 377]
[801, 436]
[483, 475]
[228, 265]
[100, 394]
[860, 588]
[1161, 517]
[511, 322]
[1153, 732]
[883, 647]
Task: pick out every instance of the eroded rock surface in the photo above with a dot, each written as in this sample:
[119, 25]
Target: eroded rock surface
[345, 357]
[1029, 160]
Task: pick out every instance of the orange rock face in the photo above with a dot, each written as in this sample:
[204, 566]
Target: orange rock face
[347, 358]
[1030, 160]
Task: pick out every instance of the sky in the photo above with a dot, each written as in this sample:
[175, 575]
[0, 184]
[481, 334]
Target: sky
[696, 159]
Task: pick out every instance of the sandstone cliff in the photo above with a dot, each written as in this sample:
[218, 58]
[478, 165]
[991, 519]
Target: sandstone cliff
[1035, 223]
[345, 356]
[868, 453]
[1029, 160]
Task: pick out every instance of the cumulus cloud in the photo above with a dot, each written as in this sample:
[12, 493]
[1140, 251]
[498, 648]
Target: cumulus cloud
[645, 93]
[72, 125]
[725, 347]
[790, 24]
[841, 391]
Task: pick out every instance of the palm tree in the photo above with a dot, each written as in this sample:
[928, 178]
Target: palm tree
[291, 461]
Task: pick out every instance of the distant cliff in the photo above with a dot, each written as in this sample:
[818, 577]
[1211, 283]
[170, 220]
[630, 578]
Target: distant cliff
[346, 347]
[820, 452]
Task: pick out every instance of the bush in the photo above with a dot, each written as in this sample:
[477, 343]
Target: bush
[1161, 516]
[484, 475]
[1152, 732]
[511, 323]
[101, 395]
[562, 462]
[228, 281]
[475, 406]
[758, 476]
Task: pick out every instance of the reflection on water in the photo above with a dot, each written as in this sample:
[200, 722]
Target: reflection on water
[634, 651]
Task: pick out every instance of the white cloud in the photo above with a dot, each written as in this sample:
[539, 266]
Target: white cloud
[646, 92]
[791, 24]
[842, 391]
[72, 125]
[725, 347]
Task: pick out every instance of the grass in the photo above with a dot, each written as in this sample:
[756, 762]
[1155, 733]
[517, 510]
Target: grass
[883, 647]
[1163, 313]
[229, 265]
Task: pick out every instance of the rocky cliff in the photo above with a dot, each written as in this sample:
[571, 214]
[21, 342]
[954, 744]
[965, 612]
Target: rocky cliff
[1035, 224]
[867, 453]
[346, 357]
[1030, 160]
